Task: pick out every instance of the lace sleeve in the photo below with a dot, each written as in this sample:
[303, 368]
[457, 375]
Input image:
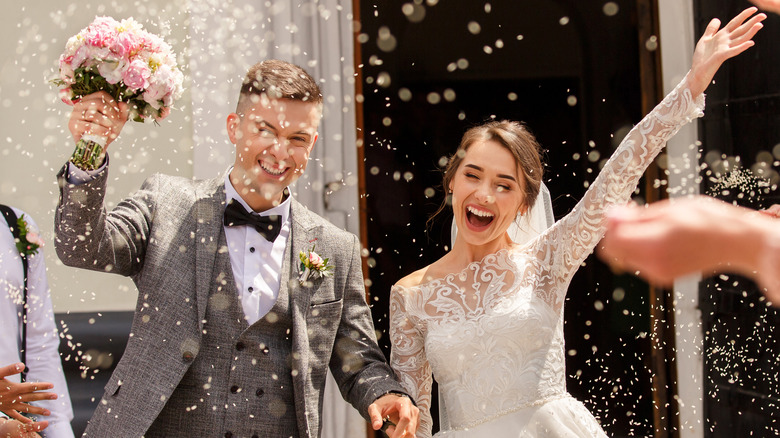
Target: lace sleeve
[408, 358]
[574, 237]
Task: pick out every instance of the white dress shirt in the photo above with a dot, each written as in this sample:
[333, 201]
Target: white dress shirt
[43, 359]
[256, 262]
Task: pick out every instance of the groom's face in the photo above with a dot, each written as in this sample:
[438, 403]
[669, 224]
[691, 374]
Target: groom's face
[273, 139]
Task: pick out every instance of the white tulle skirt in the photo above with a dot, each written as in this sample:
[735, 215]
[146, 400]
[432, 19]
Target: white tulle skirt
[565, 417]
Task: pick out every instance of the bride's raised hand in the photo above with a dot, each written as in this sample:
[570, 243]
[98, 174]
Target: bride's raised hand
[717, 45]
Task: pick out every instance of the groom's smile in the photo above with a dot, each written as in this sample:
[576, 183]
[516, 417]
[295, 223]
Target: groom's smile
[274, 170]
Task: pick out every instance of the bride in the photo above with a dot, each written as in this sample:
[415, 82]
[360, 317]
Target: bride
[487, 318]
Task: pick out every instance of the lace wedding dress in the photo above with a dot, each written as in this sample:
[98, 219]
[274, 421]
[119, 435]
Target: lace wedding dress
[492, 334]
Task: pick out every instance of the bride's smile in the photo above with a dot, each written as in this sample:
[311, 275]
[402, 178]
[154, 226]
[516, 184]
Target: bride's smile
[478, 218]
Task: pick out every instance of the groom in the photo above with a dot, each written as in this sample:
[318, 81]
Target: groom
[228, 338]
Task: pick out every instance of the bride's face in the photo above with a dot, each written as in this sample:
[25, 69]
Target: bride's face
[487, 192]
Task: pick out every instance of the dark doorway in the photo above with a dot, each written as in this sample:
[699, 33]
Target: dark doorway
[740, 134]
[570, 70]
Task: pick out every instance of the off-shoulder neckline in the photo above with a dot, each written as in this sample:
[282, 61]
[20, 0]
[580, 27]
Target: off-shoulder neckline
[508, 251]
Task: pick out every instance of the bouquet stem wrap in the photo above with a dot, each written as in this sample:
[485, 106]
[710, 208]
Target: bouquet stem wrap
[89, 152]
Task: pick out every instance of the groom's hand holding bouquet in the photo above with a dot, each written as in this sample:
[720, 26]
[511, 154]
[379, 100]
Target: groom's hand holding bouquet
[109, 72]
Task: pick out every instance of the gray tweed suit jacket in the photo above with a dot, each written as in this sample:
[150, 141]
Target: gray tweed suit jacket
[165, 238]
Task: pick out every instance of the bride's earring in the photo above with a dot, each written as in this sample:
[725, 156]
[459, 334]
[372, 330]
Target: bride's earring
[520, 215]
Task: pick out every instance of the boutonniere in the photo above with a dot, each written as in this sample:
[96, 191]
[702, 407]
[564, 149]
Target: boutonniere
[29, 240]
[312, 264]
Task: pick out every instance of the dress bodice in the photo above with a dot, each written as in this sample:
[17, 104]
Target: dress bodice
[500, 352]
[492, 334]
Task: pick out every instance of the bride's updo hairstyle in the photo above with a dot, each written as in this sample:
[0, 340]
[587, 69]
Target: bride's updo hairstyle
[516, 138]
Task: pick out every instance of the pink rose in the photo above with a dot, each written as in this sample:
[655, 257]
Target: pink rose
[175, 90]
[78, 58]
[153, 94]
[161, 83]
[101, 32]
[66, 71]
[153, 43]
[97, 54]
[316, 260]
[88, 56]
[137, 74]
[66, 94]
[34, 238]
[125, 44]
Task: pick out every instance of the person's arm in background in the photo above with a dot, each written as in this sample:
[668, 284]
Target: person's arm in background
[768, 5]
[43, 358]
[668, 239]
[15, 397]
[10, 428]
[773, 211]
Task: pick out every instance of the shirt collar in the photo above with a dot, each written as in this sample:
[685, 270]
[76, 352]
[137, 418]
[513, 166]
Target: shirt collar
[282, 209]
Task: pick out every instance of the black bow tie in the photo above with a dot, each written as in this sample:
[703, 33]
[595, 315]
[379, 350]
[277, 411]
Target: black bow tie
[267, 226]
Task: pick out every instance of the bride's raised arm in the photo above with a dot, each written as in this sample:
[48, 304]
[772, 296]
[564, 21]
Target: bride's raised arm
[576, 235]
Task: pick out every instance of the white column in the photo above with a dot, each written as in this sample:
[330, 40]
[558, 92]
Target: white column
[678, 40]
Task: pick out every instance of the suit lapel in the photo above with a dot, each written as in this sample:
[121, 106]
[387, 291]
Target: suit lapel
[210, 210]
[301, 235]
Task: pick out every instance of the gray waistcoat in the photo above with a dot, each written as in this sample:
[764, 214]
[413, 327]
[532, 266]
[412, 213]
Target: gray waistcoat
[240, 384]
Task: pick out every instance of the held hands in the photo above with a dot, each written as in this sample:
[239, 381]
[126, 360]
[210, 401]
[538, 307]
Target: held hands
[98, 114]
[399, 410]
[14, 397]
[718, 45]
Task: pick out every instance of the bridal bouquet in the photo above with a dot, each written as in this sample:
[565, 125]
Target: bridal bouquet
[129, 63]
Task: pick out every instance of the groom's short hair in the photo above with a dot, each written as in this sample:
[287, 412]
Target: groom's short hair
[278, 80]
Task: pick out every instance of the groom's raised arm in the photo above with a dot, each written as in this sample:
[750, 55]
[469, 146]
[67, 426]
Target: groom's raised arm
[87, 236]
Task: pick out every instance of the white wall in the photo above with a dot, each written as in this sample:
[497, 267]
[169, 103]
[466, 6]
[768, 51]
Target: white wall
[35, 141]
